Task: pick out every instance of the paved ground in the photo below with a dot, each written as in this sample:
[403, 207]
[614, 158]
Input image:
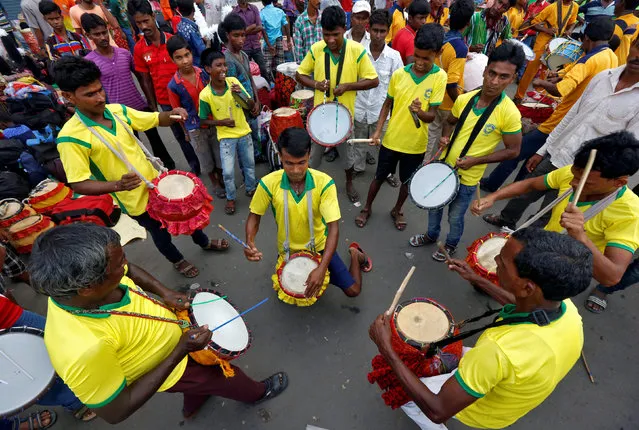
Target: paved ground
[326, 350]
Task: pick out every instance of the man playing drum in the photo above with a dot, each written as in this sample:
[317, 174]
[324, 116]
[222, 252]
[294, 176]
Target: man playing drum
[350, 70]
[296, 183]
[515, 365]
[92, 169]
[611, 228]
[481, 120]
[114, 345]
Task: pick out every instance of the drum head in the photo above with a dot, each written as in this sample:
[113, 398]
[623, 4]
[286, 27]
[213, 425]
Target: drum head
[288, 69]
[535, 105]
[422, 322]
[528, 53]
[9, 208]
[433, 185]
[25, 369]
[329, 124]
[176, 186]
[284, 111]
[303, 94]
[25, 223]
[489, 250]
[474, 71]
[295, 272]
[234, 336]
[554, 44]
[44, 187]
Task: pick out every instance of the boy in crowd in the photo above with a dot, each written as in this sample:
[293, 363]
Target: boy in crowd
[62, 41]
[414, 91]
[251, 16]
[439, 13]
[188, 29]
[219, 109]
[307, 30]
[398, 21]
[404, 41]
[276, 26]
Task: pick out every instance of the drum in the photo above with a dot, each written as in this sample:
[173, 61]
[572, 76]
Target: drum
[285, 83]
[433, 186]
[528, 53]
[12, 210]
[482, 253]
[47, 194]
[241, 99]
[474, 71]
[209, 308]
[25, 369]
[535, 111]
[566, 52]
[180, 202]
[302, 100]
[273, 156]
[23, 234]
[329, 124]
[419, 322]
[284, 118]
[290, 278]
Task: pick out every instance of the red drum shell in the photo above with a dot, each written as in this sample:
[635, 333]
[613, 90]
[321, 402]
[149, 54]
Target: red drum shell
[473, 261]
[279, 123]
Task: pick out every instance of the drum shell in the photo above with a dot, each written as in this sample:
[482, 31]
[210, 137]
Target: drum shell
[292, 298]
[567, 52]
[452, 197]
[24, 211]
[285, 83]
[473, 261]
[43, 202]
[410, 343]
[23, 239]
[280, 123]
[314, 136]
[537, 114]
[303, 104]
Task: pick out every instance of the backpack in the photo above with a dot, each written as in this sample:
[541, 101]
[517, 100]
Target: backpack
[10, 150]
[13, 185]
[96, 209]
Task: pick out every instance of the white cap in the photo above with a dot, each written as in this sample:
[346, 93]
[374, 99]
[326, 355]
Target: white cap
[362, 6]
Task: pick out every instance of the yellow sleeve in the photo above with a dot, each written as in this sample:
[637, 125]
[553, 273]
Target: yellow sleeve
[365, 69]
[393, 83]
[544, 15]
[439, 89]
[510, 120]
[307, 67]
[623, 234]
[205, 111]
[460, 103]
[618, 31]
[456, 70]
[261, 199]
[555, 179]
[482, 368]
[74, 154]
[329, 206]
[575, 76]
[446, 15]
[140, 121]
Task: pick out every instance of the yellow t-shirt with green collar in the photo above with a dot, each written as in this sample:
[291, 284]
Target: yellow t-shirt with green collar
[270, 192]
[404, 87]
[514, 368]
[505, 119]
[216, 106]
[357, 66]
[97, 356]
[616, 226]
[84, 156]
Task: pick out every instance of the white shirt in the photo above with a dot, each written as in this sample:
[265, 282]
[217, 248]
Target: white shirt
[368, 104]
[366, 40]
[598, 112]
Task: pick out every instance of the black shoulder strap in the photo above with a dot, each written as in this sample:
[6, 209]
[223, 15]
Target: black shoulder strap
[340, 67]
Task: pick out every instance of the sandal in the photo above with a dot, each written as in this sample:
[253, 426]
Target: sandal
[186, 269]
[218, 245]
[275, 385]
[35, 420]
[420, 240]
[393, 181]
[398, 218]
[363, 217]
[497, 220]
[592, 301]
[229, 209]
[353, 195]
[440, 256]
[220, 193]
[366, 266]
[84, 414]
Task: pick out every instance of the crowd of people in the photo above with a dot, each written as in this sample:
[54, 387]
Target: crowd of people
[398, 69]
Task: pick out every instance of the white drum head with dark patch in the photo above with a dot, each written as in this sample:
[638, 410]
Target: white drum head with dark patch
[176, 186]
[422, 322]
[25, 223]
[233, 336]
[9, 208]
[433, 185]
[488, 251]
[329, 124]
[284, 112]
[44, 187]
[295, 272]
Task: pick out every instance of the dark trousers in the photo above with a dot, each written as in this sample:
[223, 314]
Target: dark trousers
[529, 146]
[257, 56]
[517, 206]
[187, 149]
[629, 278]
[162, 238]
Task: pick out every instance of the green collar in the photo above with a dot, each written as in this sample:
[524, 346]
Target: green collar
[126, 299]
[478, 112]
[619, 194]
[409, 70]
[508, 311]
[341, 52]
[309, 184]
[107, 114]
[226, 87]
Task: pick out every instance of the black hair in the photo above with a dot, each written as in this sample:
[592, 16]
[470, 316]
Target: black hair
[296, 141]
[333, 17]
[47, 6]
[599, 29]
[139, 6]
[430, 37]
[267, 2]
[558, 264]
[175, 43]
[418, 7]
[185, 7]
[617, 155]
[71, 73]
[24, 26]
[232, 22]
[461, 11]
[512, 3]
[380, 16]
[631, 4]
[509, 52]
[209, 55]
[91, 21]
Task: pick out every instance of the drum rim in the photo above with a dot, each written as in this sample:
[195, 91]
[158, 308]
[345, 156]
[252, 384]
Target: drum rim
[40, 217]
[443, 204]
[218, 349]
[471, 258]
[344, 139]
[37, 332]
[8, 201]
[415, 343]
[280, 271]
[241, 99]
[197, 184]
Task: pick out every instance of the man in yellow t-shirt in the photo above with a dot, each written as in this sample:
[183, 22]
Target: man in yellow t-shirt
[612, 234]
[113, 344]
[626, 27]
[516, 16]
[289, 192]
[518, 361]
[350, 70]
[414, 93]
[474, 143]
[93, 169]
[398, 20]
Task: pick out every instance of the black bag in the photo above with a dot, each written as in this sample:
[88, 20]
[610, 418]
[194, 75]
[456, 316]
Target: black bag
[10, 150]
[13, 185]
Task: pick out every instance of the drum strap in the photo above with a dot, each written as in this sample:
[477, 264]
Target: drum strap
[340, 67]
[309, 204]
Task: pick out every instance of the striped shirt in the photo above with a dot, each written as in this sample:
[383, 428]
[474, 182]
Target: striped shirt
[74, 44]
[305, 34]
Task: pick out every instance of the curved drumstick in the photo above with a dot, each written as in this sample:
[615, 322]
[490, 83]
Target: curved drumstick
[584, 176]
[399, 292]
[234, 237]
[242, 314]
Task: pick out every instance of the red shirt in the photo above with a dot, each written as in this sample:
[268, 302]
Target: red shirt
[533, 10]
[347, 5]
[9, 313]
[404, 42]
[156, 61]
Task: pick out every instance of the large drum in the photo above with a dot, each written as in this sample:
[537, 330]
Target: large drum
[474, 71]
[180, 202]
[562, 52]
[290, 277]
[25, 369]
[13, 210]
[434, 185]
[482, 253]
[47, 194]
[23, 234]
[281, 119]
[419, 322]
[302, 100]
[537, 112]
[329, 124]
[285, 83]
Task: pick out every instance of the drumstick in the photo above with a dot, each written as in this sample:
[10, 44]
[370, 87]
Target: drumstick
[399, 292]
[478, 196]
[20, 368]
[442, 248]
[584, 176]
[178, 117]
[351, 141]
[583, 358]
[442, 181]
[238, 316]
[234, 237]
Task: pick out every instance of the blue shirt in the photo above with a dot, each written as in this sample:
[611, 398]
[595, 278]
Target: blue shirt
[190, 32]
[273, 19]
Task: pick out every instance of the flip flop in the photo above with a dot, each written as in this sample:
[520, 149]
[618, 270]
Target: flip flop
[420, 239]
[81, 414]
[368, 266]
[353, 196]
[34, 419]
[217, 245]
[594, 300]
[229, 210]
[362, 218]
[275, 385]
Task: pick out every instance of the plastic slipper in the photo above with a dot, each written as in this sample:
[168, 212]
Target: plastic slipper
[420, 239]
[34, 419]
[275, 385]
[368, 266]
[362, 218]
[594, 300]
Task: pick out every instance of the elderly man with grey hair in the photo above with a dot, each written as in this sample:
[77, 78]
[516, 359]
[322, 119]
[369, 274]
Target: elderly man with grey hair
[114, 345]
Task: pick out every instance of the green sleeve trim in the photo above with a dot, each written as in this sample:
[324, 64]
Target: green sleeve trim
[331, 182]
[621, 246]
[205, 109]
[546, 182]
[69, 139]
[124, 112]
[434, 104]
[310, 51]
[109, 399]
[263, 185]
[389, 96]
[361, 55]
[466, 387]
[511, 132]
